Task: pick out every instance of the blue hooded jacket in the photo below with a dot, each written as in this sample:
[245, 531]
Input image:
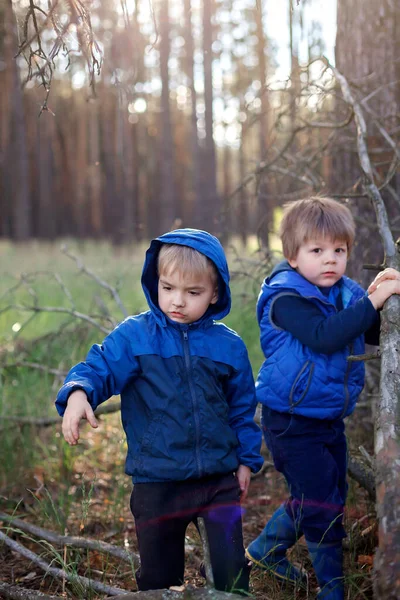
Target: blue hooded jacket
[294, 378]
[187, 391]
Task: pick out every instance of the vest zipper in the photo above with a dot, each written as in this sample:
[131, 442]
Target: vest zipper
[291, 393]
[193, 397]
[346, 388]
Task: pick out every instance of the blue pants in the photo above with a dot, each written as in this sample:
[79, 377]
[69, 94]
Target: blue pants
[312, 455]
[162, 513]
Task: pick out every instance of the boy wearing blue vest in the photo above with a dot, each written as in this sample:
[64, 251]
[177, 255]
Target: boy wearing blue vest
[312, 318]
[187, 407]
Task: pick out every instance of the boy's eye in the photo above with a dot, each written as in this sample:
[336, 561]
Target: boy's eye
[316, 250]
[192, 293]
[339, 250]
[166, 287]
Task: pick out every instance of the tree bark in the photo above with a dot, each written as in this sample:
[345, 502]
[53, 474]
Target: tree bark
[387, 424]
[387, 450]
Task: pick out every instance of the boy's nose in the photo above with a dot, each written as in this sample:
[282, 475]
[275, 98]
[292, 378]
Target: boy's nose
[330, 257]
[178, 300]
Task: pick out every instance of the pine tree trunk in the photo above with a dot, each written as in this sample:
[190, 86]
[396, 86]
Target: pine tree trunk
[21, 216]
[210, 203]
[193, 131]
[264, 208]
[167, 200]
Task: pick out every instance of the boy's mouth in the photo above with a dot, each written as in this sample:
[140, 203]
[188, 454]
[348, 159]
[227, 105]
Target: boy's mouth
[177, 315]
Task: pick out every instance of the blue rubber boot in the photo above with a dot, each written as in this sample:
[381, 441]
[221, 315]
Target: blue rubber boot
[327, 560]
[268, 551]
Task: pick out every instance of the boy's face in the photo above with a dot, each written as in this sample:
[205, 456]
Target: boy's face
[185, 298]
[321, 261]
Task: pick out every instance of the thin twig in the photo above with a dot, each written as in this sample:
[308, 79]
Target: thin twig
[364, 357]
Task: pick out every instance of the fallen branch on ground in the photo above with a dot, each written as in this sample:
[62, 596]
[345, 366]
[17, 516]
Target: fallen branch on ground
[85, 582]
[187, 593]
[69, 540]
[13, 592]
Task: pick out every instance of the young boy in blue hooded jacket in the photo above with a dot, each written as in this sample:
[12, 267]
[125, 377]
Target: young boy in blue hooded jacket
[312, 317]
[187, 404]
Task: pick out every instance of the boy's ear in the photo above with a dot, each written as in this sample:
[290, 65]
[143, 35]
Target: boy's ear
[214, 299]
[292, 262]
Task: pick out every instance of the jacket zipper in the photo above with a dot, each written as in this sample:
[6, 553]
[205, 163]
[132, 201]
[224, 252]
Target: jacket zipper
[346, 388]
[193, 398]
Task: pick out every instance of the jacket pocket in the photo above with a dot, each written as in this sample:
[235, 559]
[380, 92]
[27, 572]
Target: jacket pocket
[301, 384]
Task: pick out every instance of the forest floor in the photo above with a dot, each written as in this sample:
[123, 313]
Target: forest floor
[101, 511]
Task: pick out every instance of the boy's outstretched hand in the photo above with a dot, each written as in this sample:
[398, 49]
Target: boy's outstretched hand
[78, 408]
[243, 475]
[385, 275]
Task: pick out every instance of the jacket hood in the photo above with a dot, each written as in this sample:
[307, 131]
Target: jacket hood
[201, 241]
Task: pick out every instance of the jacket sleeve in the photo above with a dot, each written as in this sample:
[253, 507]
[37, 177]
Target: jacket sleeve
[242, 406]
[311, 327]
[104, 373]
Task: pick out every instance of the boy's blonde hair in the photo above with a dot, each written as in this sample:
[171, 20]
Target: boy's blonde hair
[186, 260]
[313, 218]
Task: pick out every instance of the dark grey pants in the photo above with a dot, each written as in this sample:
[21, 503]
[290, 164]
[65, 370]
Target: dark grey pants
[162, 512]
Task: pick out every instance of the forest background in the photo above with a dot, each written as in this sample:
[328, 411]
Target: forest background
[122, 119]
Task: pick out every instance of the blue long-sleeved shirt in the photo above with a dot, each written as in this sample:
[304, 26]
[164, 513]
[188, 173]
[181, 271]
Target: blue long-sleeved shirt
[311, 327]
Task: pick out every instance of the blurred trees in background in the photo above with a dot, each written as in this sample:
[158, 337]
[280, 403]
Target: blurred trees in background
[368, 54]
[185, 123]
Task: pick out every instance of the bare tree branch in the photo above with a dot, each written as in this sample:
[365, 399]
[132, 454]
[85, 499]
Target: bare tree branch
[69, 540]
[363, 475]
[13, 592]
[370, 186]
[112, 291]
[58, 309]
[63, 574]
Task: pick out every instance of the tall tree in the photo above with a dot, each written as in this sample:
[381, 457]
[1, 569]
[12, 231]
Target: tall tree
[6, 51]
[168, 200]
[210, 204]
[193, 131]
[21, 216]
[265, 210]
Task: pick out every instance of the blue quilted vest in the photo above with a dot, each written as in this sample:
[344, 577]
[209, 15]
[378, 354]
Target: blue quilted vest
[295, 379]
